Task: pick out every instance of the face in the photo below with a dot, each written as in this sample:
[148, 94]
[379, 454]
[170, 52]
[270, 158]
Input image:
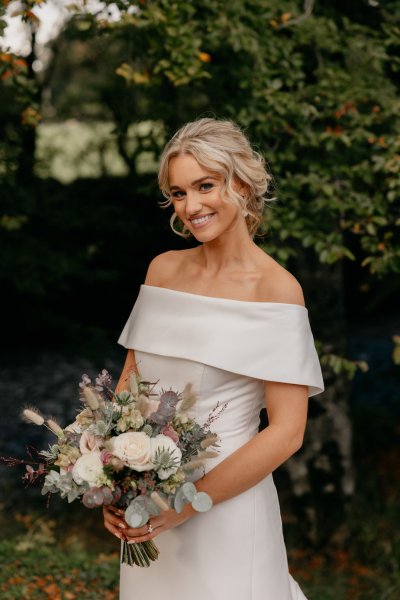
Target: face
[197, 200]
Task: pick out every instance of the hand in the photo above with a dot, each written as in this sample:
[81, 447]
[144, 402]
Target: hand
[167, 519]
[114, 521]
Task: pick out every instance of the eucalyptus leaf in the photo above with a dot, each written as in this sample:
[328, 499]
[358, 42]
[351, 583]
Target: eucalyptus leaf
[202, 502]
[189, 490]
[180, 500]
[135, 516]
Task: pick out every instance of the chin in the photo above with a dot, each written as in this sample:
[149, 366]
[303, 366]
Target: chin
[206, 236]
[203, 237]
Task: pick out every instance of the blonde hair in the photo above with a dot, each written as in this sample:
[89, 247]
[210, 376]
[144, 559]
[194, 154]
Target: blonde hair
[222, 148]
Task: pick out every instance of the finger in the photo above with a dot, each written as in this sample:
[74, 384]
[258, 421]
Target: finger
[144, 530]
[143, 536]
[114, 520]
[115, 531]
[117, 511]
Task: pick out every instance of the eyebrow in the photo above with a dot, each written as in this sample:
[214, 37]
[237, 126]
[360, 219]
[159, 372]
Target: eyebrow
[177, 187]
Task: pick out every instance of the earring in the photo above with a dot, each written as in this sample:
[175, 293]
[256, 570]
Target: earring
[245, 213]
[185, 233]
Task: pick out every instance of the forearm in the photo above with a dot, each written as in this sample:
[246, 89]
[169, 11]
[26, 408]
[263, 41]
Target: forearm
[129, 368]
[251, 463]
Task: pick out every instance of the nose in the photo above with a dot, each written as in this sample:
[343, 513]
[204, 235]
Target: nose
[193, 203]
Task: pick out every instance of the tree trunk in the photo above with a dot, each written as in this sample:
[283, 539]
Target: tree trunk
[26, 161]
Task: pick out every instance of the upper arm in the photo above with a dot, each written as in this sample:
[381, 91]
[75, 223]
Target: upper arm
[287, 405]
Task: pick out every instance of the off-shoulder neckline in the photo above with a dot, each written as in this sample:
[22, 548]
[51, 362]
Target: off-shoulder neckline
[219, 299]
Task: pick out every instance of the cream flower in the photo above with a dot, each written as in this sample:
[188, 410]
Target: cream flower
[135, 418]
[89, 443]
[73, 428]
[67, 455]
[84, 418]
[166, 455]
[88, 468]
[134, 449]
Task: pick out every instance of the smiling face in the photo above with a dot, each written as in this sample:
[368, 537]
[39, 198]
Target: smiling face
[197, 199]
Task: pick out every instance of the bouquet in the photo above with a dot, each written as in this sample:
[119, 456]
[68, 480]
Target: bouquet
[133, 449]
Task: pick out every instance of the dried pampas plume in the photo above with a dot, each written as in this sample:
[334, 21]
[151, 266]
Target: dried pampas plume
[54, 427]
[189, 398]
[159, 501]
[207, 454]
[133, 384]
[90, 398]
[196, 463]
[141, 404]
[32, 415]
[211, 440]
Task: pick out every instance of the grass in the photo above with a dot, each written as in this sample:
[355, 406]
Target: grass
[39, 561]
[56, 573]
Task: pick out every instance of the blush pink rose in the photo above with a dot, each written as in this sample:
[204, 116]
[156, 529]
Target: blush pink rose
[89, 443]
[106, 457]
[171, 433]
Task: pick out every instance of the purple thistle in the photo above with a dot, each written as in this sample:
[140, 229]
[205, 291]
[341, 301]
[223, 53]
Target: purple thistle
[166, 409]
[31, 475]
[85, 381]
[103, 380]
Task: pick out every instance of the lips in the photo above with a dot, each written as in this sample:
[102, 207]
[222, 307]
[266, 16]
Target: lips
[201, 220]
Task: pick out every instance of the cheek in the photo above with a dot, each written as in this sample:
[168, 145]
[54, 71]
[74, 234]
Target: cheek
[230, 210]
[176, 207]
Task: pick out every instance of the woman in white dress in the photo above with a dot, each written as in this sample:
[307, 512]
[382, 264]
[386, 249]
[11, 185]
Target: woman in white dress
[229, 319]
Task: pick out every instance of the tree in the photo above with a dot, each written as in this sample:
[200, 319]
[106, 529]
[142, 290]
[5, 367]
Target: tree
[317, 90]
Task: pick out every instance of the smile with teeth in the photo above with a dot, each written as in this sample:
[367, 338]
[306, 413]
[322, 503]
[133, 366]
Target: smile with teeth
[200, 221]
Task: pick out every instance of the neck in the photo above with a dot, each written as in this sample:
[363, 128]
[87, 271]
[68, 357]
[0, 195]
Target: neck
[233, 250]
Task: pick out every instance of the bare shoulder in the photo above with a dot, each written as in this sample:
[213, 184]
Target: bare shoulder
[277, 284]
[163, 267]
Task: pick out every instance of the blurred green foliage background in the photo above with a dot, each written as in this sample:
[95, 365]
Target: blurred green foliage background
[316, 87]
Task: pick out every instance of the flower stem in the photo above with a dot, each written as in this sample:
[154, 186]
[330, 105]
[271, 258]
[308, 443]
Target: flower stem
[140, 554]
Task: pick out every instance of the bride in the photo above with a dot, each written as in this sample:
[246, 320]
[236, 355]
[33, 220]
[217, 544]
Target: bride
[227, 318]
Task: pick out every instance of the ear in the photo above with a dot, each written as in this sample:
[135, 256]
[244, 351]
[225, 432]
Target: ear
[240, 187]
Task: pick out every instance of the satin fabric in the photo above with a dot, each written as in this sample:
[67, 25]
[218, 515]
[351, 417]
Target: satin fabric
[225, 349]
[265, 340]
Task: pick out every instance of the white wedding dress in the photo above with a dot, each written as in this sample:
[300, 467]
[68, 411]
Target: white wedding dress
[226, 349]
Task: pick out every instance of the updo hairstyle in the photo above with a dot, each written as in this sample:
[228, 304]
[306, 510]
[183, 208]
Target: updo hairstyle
[222, 148]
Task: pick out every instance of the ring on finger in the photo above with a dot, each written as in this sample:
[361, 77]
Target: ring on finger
[150, 528]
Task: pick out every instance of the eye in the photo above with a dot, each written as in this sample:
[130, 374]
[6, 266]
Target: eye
[206, 187]
[178, 194]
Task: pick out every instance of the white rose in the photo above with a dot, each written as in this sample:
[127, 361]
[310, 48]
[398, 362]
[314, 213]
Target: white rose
[89, 443]
[134, 449]
[89, 468]
[164, 443]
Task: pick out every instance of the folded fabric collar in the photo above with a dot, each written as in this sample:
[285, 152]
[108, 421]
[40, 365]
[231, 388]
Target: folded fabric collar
[270, 341]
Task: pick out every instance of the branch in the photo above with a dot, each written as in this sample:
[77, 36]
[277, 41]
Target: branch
[308, 9]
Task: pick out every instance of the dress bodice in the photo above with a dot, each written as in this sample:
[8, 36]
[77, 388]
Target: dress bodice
[240, 398]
